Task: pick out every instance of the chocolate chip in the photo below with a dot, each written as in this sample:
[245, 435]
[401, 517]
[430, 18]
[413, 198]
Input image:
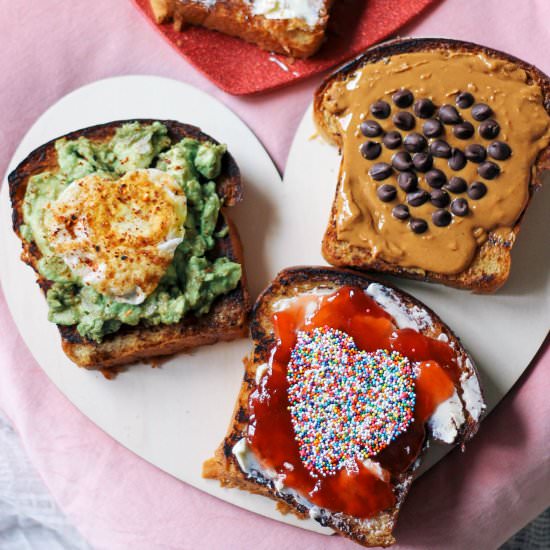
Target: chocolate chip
[436, 178]
[457, 160]
[401, 212]
[464, 130]
[402, 161]
[414, 143]
[456, 185]
[380, 109]
[440, 198]
[477, 190]
[424, 108]
[442, 218]
[499, 150]
[432, 128]
[371, 150]
[488, 170]
[386, 192]
[370, 128]
[404, 120]
[403, 98]
[475, 152]
[464, 100]
[392, 140]
[380, 171]
[480, 111]
[440, 149]
[418, 198]
[489, 129]
[459, 207]
[422, 161]
[418, 225]
[408, 181]
[449, 115]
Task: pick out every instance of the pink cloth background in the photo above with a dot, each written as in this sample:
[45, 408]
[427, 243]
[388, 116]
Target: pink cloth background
[118, 501]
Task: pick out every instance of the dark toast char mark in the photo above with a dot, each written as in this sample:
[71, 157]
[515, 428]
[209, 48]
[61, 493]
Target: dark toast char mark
[228, 187]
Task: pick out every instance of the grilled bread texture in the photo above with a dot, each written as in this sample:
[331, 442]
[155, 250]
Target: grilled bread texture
[228, 316]
[293, 37]
[491, 263]
[224, 466]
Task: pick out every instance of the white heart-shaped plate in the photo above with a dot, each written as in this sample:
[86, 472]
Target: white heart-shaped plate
[175, 416]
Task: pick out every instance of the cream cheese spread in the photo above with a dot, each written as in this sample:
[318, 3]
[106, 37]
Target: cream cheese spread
[307, 10]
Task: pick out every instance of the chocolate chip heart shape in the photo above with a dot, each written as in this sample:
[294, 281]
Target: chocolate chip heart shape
[346, 404]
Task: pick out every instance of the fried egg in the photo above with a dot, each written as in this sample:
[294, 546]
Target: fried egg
[118, 235]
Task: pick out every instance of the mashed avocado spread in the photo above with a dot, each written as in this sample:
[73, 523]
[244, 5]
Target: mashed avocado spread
[192, 281]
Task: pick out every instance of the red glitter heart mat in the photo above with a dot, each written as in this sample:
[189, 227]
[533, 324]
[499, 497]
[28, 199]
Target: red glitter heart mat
[240, 68]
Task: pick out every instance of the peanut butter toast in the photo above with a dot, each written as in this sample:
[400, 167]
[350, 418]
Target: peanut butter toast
[348, 381]
[126, 227]
[291, 27]
[443, 144]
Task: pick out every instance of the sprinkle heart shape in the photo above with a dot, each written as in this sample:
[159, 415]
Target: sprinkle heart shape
[346, 404]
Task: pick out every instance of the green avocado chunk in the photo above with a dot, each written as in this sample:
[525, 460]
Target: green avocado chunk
[209, 159]
[192, 281]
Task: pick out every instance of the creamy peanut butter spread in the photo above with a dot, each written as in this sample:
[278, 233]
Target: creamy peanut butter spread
[363, 219]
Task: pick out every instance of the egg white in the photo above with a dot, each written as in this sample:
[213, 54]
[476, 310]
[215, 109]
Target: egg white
[118, 235]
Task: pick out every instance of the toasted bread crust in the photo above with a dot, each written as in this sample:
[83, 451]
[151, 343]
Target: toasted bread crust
[228, 316]
[224, 467]
[490, 267]
[287, 36]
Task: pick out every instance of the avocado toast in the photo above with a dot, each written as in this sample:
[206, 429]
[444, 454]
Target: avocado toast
[135, 255]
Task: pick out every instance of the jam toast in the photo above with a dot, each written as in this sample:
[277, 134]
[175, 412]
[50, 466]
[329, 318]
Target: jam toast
[226, 319]
[282, 32]
[443, 145]
[348, 381]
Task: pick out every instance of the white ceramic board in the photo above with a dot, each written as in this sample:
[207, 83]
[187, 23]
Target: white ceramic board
[175, 416]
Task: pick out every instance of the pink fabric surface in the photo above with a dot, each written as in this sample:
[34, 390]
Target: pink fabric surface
[118, 501]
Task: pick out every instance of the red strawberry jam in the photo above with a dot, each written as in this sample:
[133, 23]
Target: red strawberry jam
[361, 488]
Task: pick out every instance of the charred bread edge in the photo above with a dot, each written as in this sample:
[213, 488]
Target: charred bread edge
[542, 163]
[228, 186]
[224, 465]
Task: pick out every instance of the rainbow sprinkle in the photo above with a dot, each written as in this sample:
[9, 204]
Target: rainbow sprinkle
[346, 404]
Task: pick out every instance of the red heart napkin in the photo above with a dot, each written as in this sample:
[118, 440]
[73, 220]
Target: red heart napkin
[241, 68]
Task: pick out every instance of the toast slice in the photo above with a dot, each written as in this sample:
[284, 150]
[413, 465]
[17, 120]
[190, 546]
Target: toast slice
[270, 29]
[485, 265]
[226, 320]
[245, 471]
